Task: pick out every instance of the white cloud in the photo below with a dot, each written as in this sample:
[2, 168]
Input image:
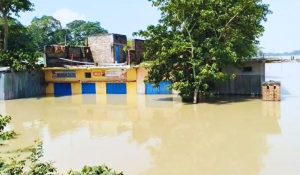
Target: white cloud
[66, 15]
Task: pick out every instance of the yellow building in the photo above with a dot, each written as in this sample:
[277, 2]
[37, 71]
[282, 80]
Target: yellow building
[94, 80]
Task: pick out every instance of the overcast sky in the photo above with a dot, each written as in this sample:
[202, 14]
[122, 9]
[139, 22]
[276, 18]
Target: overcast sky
[128, 16]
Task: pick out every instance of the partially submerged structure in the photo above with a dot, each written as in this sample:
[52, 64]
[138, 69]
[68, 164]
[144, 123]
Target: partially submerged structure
[271, 91]
[105, 66]
[247, 78]
[116, 49]
[59, 56]
[92, 80]
[247, 81]
[110, 65]
[14, 85]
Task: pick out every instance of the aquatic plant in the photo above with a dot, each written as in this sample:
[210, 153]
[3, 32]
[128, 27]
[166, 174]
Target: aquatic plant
[17, 166]
[35, 166]
[5, 135]
[95, 170]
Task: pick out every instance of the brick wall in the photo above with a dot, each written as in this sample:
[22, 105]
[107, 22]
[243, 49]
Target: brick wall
[101, 47]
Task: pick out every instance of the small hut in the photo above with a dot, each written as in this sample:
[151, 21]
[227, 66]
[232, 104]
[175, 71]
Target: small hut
[271, 91]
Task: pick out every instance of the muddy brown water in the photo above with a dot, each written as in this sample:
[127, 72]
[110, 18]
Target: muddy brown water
[159, 135]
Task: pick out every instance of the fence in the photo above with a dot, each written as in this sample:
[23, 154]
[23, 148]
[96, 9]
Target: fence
[241, 85]
[21, 85]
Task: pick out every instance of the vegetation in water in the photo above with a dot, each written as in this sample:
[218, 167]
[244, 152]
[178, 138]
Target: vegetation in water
[96, 170]
[5, 135]
[32, 165]
[195, 39]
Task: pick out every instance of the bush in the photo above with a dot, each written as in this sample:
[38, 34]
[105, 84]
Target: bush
[20, 61]
[5, 135]
[36, 167]
[96, 170]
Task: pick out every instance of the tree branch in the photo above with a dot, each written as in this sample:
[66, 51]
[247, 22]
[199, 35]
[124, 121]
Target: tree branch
[233, 18]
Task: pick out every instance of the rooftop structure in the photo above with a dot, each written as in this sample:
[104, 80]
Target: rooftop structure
[108, 48]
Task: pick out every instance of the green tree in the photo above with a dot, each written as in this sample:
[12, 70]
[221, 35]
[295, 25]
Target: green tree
[20, 61]
[19, 36]
[9, 7]
[46, 31]
[195, 38]
[79, 30]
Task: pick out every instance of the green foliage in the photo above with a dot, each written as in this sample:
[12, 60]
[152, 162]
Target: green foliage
[128, 46]
[41, 169]
[96, 170]
[46, 31]
[32, 164]
[12, 167]
[20, 61]
[17, 167]
[36, 152]
[195, 38]
[18, 34]
[5, 135]
[79, 30]
[24, 59]
[36, 167]
[7, 8]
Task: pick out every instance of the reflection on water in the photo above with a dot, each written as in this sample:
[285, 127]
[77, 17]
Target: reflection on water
[149, 135]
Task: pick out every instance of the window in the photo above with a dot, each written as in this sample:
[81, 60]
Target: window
[247, 69]
[88, 75]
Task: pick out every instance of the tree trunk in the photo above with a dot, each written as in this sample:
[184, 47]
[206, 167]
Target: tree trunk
[196, 96]
[5, 27]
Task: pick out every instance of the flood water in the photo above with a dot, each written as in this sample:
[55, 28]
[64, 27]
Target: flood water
[159, 135]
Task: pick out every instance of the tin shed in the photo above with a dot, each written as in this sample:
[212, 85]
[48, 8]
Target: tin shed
[247, 81]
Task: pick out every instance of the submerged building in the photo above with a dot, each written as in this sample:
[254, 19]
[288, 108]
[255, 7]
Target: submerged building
[105, 66]
[247, 80]
[93, 80]
[110, 65]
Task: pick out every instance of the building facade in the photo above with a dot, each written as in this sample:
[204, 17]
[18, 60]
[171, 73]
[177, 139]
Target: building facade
[247, 80]
[71, 81]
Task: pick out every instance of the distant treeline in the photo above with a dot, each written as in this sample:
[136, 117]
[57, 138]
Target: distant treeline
[296, 52]
[47, 30]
